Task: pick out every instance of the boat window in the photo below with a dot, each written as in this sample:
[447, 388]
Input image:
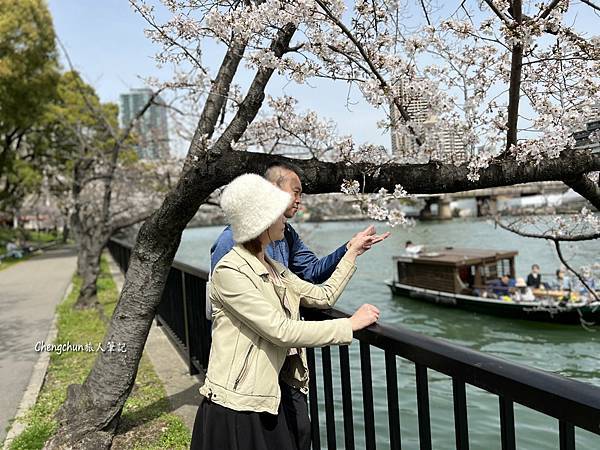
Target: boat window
[467, 275]
[401, 271]
[491, 271]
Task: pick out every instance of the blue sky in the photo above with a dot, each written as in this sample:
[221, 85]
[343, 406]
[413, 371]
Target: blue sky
[106, 43]
[105, 40]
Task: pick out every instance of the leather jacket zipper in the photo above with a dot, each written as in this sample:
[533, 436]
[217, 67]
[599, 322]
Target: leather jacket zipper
[244, 369]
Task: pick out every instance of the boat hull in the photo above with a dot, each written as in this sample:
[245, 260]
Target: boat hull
[536, 311]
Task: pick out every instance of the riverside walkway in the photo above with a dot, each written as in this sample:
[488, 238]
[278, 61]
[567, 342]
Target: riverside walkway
[29, 293]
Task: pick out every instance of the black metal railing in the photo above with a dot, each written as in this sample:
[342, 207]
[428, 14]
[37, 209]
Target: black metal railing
[572, 403]
[182, 309]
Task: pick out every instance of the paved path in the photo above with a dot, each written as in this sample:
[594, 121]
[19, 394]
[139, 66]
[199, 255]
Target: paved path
[29, 293]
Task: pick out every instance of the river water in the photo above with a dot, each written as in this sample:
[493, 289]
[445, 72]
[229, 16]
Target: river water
[568, 350]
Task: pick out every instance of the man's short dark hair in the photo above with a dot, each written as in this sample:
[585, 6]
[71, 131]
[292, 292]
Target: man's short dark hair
[274, 175]
[535, 266]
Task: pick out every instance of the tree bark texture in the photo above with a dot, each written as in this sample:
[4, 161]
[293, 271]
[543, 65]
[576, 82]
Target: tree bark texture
[587, 188]
[88, 263]
[431, 178]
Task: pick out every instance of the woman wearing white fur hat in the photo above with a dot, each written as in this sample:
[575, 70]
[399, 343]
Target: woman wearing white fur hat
[257, 331]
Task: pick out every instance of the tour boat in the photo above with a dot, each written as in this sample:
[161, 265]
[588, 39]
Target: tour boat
[461, 278]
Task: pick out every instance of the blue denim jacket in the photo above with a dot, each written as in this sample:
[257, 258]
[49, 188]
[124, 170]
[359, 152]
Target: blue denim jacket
[299, 259]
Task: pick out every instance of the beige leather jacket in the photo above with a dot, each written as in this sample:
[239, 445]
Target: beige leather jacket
[253, 331]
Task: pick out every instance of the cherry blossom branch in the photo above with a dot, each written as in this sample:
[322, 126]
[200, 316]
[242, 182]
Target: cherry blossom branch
[165, 36]
[373, 70]
[431, 178]
[498, 13]
[216, 100]
[546, 12]
[256, 93]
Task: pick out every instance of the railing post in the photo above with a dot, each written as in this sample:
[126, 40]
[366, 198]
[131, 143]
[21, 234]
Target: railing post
[507, 424]
[460, 414]
[566, 433]
[186, 325]
[328, 388]
[367, 393]
[392, 400]
[312, 395]
[423, 407]
[347, 398]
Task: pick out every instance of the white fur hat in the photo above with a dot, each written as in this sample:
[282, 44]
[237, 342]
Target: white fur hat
[252, 204]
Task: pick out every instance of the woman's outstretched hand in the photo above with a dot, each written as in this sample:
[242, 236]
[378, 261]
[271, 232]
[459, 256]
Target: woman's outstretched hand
[364, 316]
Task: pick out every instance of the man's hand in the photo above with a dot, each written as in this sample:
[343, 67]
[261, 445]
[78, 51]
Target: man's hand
[364, 240]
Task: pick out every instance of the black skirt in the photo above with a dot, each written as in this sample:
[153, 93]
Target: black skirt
[220, 428]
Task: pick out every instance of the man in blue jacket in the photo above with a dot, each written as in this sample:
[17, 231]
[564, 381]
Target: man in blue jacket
[295, 255]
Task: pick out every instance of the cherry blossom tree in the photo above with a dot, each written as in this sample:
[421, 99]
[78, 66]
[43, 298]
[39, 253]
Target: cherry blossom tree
[95, 175]
[513, 80]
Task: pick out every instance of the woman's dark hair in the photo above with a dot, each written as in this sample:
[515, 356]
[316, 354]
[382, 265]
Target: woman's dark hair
[254, 246]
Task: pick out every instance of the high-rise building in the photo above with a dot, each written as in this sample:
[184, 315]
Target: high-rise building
[151, 128]
[444, 142]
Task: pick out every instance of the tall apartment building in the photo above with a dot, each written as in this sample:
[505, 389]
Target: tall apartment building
[152, 128]
[448, 144]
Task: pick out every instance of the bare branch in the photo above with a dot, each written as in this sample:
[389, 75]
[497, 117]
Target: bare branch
[591, 4]
[564, 261]
[172, 41]
[514, 90]
[425, 12]
[119, 224]
[586, 188]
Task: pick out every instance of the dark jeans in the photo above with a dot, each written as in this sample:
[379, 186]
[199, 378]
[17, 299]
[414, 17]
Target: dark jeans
[295, 408]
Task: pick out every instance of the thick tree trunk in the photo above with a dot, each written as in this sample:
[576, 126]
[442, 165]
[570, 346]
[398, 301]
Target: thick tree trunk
[65, 234]
[91, 412]
[88, 263]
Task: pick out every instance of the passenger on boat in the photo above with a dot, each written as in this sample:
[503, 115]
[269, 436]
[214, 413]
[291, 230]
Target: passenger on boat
[563, 282]
[534, 279]
[589, 279]
[257, 336]
[411, 248]
[523, 293]
[502, 286]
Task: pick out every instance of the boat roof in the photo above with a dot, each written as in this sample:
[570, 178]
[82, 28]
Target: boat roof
[457, 256]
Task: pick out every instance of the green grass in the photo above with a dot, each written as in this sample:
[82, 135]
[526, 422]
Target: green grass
[33, 238]
[146, 422]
